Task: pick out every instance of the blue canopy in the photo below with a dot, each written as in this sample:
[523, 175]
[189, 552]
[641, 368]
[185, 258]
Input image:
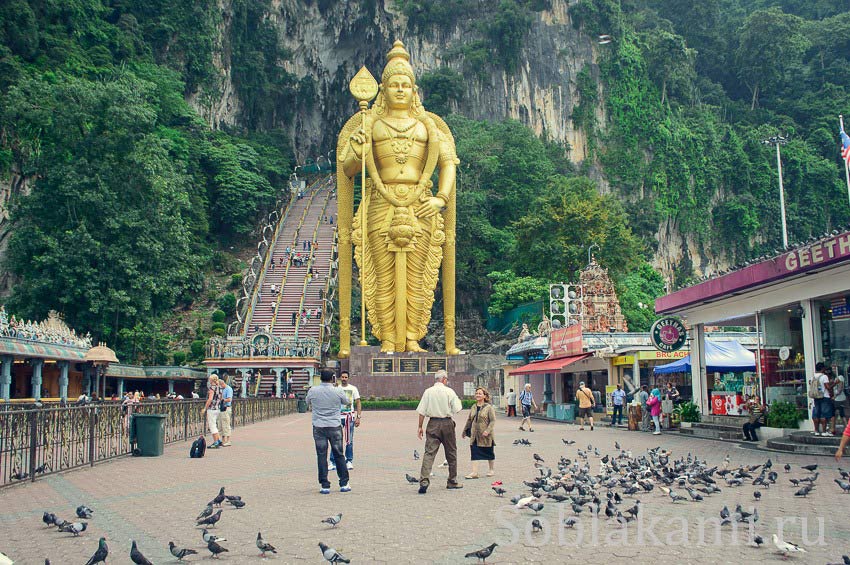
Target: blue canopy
[720, 357]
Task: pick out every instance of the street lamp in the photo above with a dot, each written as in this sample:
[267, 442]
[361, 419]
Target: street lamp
[592, 245]
[777, 141]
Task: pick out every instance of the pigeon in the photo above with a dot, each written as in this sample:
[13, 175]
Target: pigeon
[331, 555]
[333, 520]
[570, 522]
[787, 468]
[845, 486]
[803, 491]
[724, 513]
[538, 458]
[49, 518]
[19, 475]
[568, 441]
[218, 499]
[84, 511]
[536, 526]
[263, 546]
[210, 521]
[523, 502]
[536, 506]
[758, 540]
[415, 455]
[757, 495]
[617, 446]
[499, 490]
[237, 503]
[483, 553]
[208, 537]
[215, 549]
[75, 528]
[101, 554]
[411, 480]
[137, 557]
[811, 468]
[41, 468]
[180, 553]
[205, 513]
[786, 547]
[230, 497]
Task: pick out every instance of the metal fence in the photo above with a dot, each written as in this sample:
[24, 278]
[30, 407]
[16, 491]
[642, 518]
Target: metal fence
[39, 442]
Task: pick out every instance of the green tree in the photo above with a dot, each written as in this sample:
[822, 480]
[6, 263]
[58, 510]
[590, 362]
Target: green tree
[637, 292]
[442, 88]
[509, 291]
[552, 239]
[770, 42]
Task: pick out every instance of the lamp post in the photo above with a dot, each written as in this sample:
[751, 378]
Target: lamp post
[777, 141]
[100, 357]
[589, 249]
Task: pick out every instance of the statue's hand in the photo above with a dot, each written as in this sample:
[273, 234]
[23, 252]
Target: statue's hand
[358, 141]
[430, 207]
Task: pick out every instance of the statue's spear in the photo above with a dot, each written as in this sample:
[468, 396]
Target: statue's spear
[364, 88]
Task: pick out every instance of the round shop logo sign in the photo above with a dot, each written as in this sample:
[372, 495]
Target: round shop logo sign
[668, 334]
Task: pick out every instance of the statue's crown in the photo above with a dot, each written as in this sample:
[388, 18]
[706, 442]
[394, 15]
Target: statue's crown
[398, 63]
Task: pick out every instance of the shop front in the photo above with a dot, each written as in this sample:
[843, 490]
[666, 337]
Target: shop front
[799, 303]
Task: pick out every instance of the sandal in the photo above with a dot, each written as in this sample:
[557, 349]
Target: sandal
[471, 476]
[491, 473]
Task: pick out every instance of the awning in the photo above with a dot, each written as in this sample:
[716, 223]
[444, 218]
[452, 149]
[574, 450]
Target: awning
[549, 365]
[720, 357]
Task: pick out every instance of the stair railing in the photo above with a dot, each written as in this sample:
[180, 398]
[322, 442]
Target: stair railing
[310, 264]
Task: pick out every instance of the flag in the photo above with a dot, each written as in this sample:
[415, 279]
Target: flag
[845, 147]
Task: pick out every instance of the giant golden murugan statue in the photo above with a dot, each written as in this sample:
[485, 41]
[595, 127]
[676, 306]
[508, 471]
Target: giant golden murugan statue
[409, 230]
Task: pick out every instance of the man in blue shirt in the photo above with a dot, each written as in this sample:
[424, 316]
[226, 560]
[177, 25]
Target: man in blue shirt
[326, 400]
[224, 414]
[618, 399]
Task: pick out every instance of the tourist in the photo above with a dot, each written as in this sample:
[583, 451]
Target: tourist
[479, 430]
[757, 419]
[845, 438]
[585, 405]
[511, 400]
[618, 400]
[671, 393]
[326, 401]
[819, 391]
[438, 403]
[526, 400]
[839, 384]
[211, 408]
[349, 417]
[274, 306]
[226, 411]
[654, 405]
[645, 418]
[294, 318]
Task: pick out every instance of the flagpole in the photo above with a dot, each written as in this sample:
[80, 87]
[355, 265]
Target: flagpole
[846, 161]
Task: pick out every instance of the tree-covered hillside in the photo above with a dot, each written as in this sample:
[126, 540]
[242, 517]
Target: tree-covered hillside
[132, 196]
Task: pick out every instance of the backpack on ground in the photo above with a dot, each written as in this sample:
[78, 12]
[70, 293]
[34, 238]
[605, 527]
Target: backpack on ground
[199, 447]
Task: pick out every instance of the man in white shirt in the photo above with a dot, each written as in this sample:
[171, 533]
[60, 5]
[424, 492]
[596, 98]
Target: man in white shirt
[349, 417]
[823, 408]
[439, 403]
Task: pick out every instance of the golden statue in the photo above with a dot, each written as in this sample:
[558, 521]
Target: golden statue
[410, 231]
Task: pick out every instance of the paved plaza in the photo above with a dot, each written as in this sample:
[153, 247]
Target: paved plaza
[272, 466]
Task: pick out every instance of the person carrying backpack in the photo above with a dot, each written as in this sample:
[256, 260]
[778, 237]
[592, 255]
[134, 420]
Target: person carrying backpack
[820, 391]
[526, 399]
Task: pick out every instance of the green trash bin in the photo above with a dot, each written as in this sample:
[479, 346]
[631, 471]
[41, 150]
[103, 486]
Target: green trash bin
[561, 412]
[569, 412]
[550, 411]
[147, 431]
[302, 406]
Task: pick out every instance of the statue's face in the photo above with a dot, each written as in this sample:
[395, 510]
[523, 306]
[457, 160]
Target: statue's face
[399, 92]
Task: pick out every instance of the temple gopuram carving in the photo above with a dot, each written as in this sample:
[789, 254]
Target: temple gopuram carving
[601, 306]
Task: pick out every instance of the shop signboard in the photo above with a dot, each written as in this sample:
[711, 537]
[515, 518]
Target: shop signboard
[609, 400]
[662, 355]
[566, 342]
[668, 334]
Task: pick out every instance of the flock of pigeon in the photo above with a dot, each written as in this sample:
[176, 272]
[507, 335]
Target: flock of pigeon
[621, 478]
[208, 518]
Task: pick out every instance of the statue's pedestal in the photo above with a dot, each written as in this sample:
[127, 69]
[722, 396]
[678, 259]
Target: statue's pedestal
[403, 374]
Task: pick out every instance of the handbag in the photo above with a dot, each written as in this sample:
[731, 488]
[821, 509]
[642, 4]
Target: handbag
[467, 430]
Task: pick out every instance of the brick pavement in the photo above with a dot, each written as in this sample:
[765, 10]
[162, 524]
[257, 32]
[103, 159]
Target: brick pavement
[272, 466]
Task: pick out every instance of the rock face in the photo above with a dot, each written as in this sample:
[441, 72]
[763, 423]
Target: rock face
[329, 41]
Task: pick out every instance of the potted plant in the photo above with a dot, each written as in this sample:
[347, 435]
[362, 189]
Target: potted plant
[687, 413]
[783, 414]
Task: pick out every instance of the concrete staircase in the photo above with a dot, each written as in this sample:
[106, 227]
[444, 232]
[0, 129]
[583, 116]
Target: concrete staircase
[806, 444]
[716, 427]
